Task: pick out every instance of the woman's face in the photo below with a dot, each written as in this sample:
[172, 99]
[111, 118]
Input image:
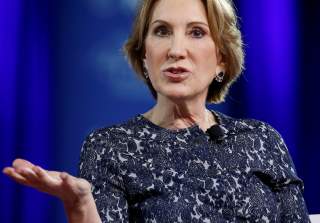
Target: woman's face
[181, 57]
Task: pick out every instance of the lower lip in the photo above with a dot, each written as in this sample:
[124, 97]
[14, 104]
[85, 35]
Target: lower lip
[176, 77]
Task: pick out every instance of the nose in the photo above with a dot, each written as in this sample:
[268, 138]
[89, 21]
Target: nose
[177, 49]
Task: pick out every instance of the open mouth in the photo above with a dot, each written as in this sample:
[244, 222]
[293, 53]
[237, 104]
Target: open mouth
[176, 74]
[178, 70]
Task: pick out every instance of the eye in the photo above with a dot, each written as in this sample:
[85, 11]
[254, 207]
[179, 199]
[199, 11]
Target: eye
[161, 31]
[197, 32]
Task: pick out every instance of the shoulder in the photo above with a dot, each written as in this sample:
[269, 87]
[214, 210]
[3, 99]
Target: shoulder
[106, 145]
[254, 131]
[111, 138]
[247, 125]
[264, 130]
[265, 145]
[113, 132]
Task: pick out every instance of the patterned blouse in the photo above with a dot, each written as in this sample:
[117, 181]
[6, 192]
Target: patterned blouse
[141, 172]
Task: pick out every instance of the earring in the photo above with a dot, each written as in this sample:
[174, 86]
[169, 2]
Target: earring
[219, 77]
[145, 71]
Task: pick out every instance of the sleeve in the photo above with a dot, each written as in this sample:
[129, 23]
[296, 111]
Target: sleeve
[288, 186]
[98, 166]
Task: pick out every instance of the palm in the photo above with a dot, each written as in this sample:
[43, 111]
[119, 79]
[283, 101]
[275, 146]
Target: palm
[60, 184]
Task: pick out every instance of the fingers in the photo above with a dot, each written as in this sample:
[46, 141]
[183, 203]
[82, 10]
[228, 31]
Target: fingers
[45, 177]
[54, 174]
[24, 169]
[21, 163]
[27, 177]
[9, 171]
[60, 184]
[29, 174]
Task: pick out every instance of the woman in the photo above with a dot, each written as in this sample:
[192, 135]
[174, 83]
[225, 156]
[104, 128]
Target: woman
[180, 162]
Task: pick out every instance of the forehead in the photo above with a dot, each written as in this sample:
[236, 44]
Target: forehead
[179, 11]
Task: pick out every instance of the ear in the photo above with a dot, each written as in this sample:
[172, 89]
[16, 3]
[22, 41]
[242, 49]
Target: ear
[221, 66]
[144, 63]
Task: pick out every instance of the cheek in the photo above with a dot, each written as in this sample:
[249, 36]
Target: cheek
[154, 52]
[151, 60]
[206, 60]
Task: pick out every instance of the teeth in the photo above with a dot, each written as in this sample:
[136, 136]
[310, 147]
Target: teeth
[176, 71]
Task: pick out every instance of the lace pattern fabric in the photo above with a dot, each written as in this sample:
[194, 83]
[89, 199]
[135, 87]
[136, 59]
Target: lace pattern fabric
[141, 172]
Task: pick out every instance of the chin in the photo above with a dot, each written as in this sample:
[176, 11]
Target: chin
[177, 92]
[177, 95]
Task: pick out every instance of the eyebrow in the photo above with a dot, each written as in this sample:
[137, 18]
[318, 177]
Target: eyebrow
[189, 24]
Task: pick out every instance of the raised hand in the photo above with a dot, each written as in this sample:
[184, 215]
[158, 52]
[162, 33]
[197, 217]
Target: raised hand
[74, 192]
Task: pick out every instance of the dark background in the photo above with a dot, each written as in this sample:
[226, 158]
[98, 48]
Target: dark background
[62, 74]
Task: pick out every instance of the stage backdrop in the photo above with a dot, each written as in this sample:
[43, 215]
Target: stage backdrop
[63, 74]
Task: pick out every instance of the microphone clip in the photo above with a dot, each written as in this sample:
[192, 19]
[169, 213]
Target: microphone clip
[217, 133]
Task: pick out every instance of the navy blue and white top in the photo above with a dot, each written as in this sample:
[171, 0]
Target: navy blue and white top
[141, 172]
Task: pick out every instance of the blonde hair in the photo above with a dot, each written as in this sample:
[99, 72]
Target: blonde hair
[224, 29]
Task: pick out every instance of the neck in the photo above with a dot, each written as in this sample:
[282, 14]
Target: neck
[180, 114]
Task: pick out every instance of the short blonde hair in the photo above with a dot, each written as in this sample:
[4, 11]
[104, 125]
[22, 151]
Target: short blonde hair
[224, 30]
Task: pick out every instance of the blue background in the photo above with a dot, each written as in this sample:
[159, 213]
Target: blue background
[62, 74]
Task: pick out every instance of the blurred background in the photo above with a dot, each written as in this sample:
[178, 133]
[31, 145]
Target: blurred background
[62, 74]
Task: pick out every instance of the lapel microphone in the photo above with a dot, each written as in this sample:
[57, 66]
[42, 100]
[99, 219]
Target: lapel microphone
[216, 133]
